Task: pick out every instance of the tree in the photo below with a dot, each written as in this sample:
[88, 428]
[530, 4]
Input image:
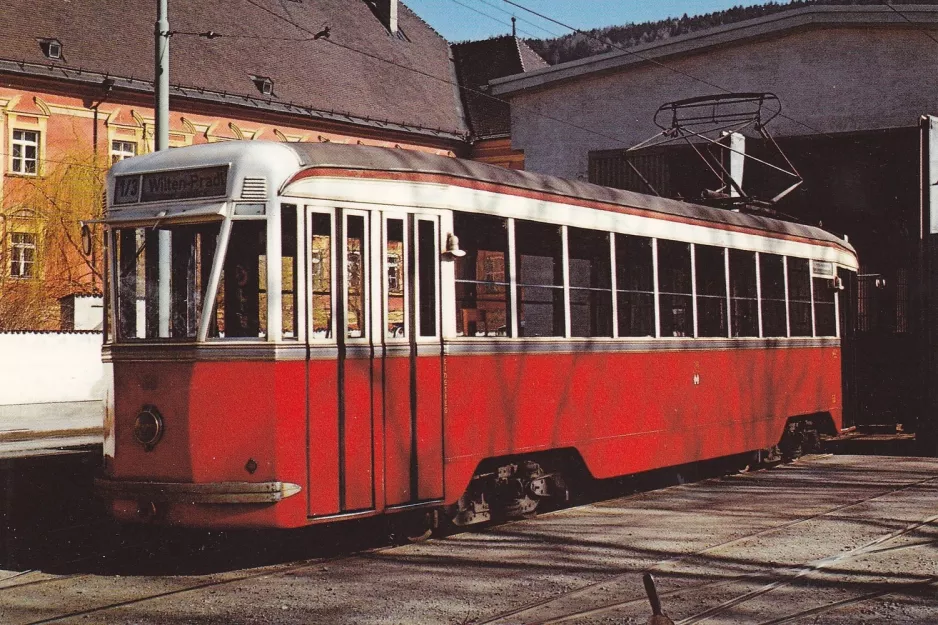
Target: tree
[41, 239]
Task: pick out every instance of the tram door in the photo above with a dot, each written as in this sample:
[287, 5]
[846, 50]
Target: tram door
[412, 362]
[341, 460]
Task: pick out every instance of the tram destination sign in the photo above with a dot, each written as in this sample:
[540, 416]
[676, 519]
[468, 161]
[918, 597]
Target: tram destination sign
[181, 184]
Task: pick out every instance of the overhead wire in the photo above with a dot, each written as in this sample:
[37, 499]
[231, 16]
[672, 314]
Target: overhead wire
[520, 19]
[491, 17]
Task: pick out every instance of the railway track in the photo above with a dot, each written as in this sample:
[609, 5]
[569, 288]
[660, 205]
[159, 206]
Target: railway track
[557, 609]
[514, 614]
[226, 579]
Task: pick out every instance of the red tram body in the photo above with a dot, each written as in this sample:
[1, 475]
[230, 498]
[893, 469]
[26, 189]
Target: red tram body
[306, 333]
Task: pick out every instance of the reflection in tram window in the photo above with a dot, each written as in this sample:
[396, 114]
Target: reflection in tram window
[355, 279]
[540, 279]
[191, 250]
[772, 279]
[711, 290]
[635, 286]
[481, 276]
[321, 273]
[396, 309]
[288, 270]
[799, 297]
[743, 295]
[674, 288]
[590, 283]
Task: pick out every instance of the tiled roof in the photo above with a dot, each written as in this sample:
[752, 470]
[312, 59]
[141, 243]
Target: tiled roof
[361, 70]
[478, 62]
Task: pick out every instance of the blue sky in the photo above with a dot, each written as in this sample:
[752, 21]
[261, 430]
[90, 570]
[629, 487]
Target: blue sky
[460, 20]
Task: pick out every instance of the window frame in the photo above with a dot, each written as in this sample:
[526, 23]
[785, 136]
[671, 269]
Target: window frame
[23, 144]
[506, 280]
[366, 268]
[627, 289]
[310, 278]
[590, 290]
[120, 155]
[404, 287]
[27, 269]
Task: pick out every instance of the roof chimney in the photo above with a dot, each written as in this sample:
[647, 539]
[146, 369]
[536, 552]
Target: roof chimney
[387, 11]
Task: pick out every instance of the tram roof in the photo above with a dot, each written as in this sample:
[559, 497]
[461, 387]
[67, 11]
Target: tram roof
[368, 158]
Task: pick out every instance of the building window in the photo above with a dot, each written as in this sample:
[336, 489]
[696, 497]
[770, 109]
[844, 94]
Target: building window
[25, 152]
[122, 149]
[23, 255]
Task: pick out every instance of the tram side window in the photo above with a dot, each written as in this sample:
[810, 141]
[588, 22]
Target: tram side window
[743, 296]
[674, 289]
[635, 286]
[356, 265]
[288, 270]
[241, 301]
[397, 277]
[427, 260]
[540, 279]
[825, 319]
[799, 297]
[772, 276]
[320, 261]
[190, 252]
[590, 283]
[711, 290]
[482, 276]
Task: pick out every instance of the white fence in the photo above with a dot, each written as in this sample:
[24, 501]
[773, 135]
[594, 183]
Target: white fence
[52, 384]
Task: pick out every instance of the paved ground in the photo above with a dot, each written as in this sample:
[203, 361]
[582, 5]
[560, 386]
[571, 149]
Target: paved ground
[828, 539]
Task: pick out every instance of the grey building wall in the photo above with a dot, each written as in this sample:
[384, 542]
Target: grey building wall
[829, 80]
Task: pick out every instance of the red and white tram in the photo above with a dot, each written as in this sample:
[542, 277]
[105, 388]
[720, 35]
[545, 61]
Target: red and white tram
[302, 333]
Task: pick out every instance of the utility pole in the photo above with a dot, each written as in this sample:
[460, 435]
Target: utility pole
[161, 78]
[161, 142]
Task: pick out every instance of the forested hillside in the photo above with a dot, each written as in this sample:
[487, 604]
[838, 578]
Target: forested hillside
[608, 39]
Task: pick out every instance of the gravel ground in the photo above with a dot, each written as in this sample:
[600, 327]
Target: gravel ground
[828, 539]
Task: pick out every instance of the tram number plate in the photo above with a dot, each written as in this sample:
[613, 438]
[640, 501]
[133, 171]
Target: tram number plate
[127, 190]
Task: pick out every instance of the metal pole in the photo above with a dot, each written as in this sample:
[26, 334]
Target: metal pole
[161, 142]
[161, 78]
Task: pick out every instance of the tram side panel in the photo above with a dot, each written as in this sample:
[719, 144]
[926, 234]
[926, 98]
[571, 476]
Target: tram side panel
[323, 439]
[630, 412]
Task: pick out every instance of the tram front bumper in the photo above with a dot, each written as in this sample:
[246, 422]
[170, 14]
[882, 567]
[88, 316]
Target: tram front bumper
[206, 493]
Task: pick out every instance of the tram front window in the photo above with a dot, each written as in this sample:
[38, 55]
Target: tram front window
[162, 274]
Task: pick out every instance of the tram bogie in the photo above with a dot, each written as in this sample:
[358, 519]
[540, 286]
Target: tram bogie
[310, 333]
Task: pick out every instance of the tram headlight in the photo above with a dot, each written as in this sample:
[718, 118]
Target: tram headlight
[148, 427]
